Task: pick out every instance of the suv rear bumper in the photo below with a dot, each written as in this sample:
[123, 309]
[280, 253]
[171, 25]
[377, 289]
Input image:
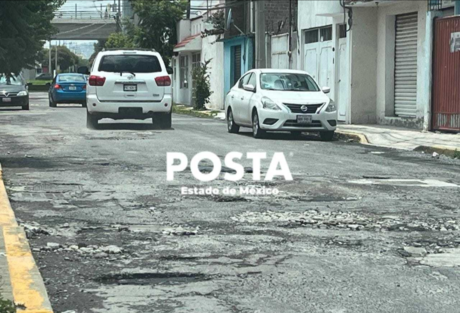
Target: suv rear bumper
[112, 109]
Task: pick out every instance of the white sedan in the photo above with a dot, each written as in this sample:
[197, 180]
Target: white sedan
[280, 100]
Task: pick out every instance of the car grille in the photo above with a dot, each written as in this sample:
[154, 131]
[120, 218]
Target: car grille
[8, 94]
[295, 108]
[293, 123]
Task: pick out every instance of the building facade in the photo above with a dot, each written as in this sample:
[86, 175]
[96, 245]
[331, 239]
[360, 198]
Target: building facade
[379, 65]
[193, 49]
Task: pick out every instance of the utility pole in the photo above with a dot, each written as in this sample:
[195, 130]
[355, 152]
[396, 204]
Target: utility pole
[290, 34]
[189, 5]
[261, 61]
[76, 12]
[56, 59]
[50, 66]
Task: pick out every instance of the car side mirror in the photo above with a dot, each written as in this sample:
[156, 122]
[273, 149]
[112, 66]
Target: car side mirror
[250, 88]
[326, 89]
[169, 70]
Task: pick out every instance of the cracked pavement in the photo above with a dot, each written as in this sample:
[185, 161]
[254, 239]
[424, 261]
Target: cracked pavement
[360, 229]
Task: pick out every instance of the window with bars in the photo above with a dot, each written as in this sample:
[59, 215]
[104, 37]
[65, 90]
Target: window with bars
[318, 35]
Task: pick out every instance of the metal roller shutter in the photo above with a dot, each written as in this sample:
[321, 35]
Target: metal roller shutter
[406, 65]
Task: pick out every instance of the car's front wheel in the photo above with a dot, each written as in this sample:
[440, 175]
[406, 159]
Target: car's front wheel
[26, 106]
[327, 136]
[231, 126]
[256, 131]
[91, 121]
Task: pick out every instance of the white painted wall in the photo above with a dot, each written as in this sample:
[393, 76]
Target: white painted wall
[310, 13]
[363, 69]
[371, 48]
[215, 51]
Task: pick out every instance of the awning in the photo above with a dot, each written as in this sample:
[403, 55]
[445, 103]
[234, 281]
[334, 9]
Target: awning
[189, 44]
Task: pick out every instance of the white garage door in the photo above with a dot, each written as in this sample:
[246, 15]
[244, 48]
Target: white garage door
[406, 65]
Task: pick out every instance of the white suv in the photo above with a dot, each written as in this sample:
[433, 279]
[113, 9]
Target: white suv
[129, 84]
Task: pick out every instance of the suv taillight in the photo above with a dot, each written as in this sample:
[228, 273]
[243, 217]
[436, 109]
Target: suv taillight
[96, 80]
[163, 81]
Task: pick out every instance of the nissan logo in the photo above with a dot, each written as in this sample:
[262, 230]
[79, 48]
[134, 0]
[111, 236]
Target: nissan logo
[304, 108]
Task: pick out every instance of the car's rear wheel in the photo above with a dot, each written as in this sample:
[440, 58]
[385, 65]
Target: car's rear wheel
[91, 121]
[256, 131]
[84, 104]
[52, 103]
[26, 106]
[327, 136]
[162, 120]
[231, 126]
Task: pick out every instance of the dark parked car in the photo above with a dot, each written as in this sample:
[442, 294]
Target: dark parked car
[44, 76]
[68, 88]
[13, 91]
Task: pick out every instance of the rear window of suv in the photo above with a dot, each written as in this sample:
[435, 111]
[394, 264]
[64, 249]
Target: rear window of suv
[130, 63]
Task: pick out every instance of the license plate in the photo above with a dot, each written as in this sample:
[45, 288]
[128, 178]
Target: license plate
[72, 88]
[130, 87]
[6, 99]
[304, 119]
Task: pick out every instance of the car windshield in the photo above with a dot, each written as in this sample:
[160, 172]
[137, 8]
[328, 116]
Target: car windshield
[72, 78]
[288, 82]
[11, 80]
[130, 63]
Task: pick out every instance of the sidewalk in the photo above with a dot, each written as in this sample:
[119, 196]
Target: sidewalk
[20, 280]
[402, 138]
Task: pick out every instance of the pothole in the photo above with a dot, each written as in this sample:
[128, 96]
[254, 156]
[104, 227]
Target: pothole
[349, 220]
[151, 278]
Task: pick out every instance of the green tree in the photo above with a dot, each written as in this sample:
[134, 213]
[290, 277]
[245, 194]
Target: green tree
[98, 46]
[202, 90]
[24, 27]
[66, 58]
[119, 40]
[157, 24]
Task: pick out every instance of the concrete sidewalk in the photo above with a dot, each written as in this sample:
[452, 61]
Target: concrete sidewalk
[402, 138]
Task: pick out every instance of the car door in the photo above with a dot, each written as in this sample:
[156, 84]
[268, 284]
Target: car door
[245, 101]
[236, 98]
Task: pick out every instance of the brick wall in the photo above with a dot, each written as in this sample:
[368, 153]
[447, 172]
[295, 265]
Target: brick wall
[277, 15]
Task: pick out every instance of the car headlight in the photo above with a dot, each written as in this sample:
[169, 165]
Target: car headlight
[270, 104]
[22, 93]
[331, 106]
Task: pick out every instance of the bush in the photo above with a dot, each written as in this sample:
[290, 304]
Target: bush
[7, 306]
[202, 90]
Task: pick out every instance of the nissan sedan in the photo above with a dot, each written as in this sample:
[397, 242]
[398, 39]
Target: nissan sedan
[280, 100]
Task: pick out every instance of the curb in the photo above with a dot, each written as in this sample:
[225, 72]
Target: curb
[361, 138]
[28, 290]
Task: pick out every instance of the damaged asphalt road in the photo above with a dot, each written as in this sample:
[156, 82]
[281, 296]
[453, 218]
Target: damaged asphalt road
[360, 229]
